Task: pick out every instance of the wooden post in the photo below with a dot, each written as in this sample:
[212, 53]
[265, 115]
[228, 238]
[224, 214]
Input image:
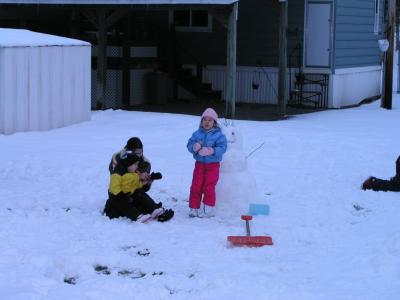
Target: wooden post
[126, 66]
[73, 31]
[386, 101]
[282, 94]
[101, 59]
[102, 22]
[172, 61]
[231, 63]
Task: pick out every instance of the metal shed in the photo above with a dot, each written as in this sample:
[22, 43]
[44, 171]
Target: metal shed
[44, 81]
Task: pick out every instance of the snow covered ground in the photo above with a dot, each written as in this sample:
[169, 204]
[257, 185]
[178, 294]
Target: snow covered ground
[331, 239]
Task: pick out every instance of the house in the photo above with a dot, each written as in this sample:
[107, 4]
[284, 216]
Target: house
[333, 55]
[158, 50]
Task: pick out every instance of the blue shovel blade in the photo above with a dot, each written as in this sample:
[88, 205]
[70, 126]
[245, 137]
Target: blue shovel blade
[258, 209]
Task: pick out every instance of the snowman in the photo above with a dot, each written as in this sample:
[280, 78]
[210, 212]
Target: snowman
[236, 187]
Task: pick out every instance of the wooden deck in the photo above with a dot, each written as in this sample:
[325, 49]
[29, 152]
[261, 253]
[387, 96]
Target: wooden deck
[243, 111]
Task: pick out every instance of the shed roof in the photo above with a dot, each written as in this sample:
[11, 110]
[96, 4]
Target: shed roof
[132, 2]
[26, 38]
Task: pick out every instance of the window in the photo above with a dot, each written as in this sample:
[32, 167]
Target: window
[191, 20]
[377, 20]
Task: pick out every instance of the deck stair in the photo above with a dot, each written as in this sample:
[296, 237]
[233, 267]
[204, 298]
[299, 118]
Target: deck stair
[310, 89]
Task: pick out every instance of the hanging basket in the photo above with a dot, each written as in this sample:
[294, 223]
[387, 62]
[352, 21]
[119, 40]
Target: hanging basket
[255, 85]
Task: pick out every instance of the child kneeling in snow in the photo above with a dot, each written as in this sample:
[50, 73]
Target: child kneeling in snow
[135, 145]
[377, 184]
[207, 144]
[123, 201]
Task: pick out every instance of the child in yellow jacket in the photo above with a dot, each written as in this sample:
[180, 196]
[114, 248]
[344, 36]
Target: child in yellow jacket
[123, 202]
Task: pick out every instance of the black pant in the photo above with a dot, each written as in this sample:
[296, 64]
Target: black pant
[392, 185]
[130, 206]
[121, 207]
[143, 202]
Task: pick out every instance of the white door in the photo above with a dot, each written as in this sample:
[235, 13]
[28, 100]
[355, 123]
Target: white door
[318, 34]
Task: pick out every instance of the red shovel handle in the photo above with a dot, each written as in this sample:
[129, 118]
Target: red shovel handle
[247, 218]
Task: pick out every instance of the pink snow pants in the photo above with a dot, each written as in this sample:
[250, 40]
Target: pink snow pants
[205, 178]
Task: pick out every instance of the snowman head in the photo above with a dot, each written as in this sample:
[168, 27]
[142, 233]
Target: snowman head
[232, 134]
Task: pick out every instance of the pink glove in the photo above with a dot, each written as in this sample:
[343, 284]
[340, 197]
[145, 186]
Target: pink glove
[196, 147]
[205, 151]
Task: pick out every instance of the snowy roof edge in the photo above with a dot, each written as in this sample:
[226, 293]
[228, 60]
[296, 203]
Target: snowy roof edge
[10, 37]
[132, 2]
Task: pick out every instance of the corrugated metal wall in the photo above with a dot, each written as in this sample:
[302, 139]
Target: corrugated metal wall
[266, 78]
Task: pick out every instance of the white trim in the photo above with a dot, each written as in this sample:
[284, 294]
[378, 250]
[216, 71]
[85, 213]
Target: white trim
[354, 85]
[357, 70]
[377, 15]
[317, 70]
[322, 69]
[132, 2]
[242, 68]
[347, 87]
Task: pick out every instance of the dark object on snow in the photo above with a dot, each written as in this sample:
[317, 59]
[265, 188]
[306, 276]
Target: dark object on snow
[102, 269]
[358, 207]
[134, 274]
[166, 215]
[377, 184]
[70, 280]
[144, 252]
[155, 176]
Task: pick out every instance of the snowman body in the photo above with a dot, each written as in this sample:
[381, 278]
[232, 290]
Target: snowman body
[236, 187]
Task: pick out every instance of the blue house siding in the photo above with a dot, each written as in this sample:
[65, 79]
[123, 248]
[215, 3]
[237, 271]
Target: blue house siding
[355, 42]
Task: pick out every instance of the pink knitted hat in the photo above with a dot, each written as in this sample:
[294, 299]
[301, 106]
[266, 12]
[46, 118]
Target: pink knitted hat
[209, 112]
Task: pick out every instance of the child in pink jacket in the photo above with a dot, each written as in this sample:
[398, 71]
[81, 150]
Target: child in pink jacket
[207, 144]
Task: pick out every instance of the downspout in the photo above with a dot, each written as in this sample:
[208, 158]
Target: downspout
[398, 53]
[231, 62]
[333, 38]
[283, 24]
[333, 54]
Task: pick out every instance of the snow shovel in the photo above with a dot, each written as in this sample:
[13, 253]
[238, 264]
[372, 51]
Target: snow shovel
[258, 209]
[248, 240]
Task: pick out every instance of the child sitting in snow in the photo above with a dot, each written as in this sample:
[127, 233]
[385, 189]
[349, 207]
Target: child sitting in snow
[376, 184]
[207, 144]
[135, 145]
[123, 200]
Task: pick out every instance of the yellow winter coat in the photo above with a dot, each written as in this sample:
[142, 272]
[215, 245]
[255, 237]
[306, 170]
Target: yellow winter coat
[126, 183]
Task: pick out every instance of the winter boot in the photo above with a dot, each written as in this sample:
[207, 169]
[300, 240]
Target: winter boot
[157, 212]
[367, 184]
[207, 211]
[194, 212]
[143, 218]
[166, 215]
